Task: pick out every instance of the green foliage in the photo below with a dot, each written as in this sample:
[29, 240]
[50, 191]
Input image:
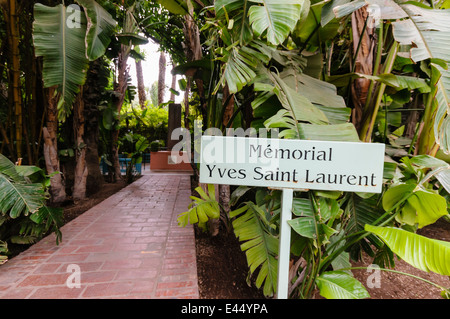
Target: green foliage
[423, 253]
[340, 285]
[155, 146]
[3, 251]
[17, 195]
[63, 50]
[67, 40]
[100, 26]
[151, 122]
[254, 228]
[24, 217]
[422, 203]
[201, 209]
[329, 227]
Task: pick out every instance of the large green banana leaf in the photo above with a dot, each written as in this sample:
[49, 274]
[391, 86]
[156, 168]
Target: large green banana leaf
[239, 68]
[419, 251]
[67, 40]
[241, 26]
[428, 32]
[340, 285]
[298, 106]
[62, 46]
[260, 246]
[175, 7]
[322, 95]
[17, 196]
[201, 209]
[99, 28]
[275, 17]
[423, 207]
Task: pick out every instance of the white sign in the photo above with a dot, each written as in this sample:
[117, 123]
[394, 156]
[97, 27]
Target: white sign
[296, 164]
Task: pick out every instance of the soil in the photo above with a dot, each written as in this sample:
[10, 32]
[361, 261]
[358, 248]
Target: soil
[222, 271]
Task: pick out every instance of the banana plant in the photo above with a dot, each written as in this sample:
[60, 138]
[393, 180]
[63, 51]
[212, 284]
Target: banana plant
[24, 217]
[254, 226]
[289, 93]
[17, 195]
[68, 39]
[202, 209]
[423, 31]
[421, 252]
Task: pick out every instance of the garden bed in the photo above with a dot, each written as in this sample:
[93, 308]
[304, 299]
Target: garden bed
[222, 271]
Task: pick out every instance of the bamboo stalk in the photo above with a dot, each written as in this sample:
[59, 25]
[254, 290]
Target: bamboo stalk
[14, 38]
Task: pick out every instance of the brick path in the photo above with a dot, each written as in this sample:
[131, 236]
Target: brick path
[128, 246]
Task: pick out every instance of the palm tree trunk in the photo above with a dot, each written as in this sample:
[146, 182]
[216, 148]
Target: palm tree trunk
[140, 84]
[161, 78]
[193, 51]
[173, 86]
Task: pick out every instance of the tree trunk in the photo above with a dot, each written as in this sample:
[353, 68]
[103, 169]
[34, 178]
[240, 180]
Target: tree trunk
[224, 190]
[140, 84]
[12, 26]
[193, 51]
[96, 82]
[363, 49]
[161, 78]
[81, 172]
[229, 107]
[121, 87]
[173, 87]
[117, 175]
[50, 133]
[186, 102]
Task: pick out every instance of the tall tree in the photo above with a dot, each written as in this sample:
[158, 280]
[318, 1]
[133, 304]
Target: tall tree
[52, 163]
[67, 38]
[93, 94]
[81, 171]
[193, 51]
[140, 83]
[173, 86]
[15, 91]
[128, 38]
[161, 78]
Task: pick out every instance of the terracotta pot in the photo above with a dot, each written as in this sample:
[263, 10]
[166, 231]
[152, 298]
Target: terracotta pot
[165, 160]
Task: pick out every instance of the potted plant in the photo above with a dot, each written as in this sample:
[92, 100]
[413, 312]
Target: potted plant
[155, 146]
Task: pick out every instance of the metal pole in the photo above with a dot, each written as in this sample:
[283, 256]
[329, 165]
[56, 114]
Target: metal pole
[285, 243]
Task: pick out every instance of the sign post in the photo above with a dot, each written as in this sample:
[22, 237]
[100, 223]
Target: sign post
[291, 165]
[285, 243]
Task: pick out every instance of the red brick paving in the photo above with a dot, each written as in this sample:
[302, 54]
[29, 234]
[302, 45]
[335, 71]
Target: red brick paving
[129, 246]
